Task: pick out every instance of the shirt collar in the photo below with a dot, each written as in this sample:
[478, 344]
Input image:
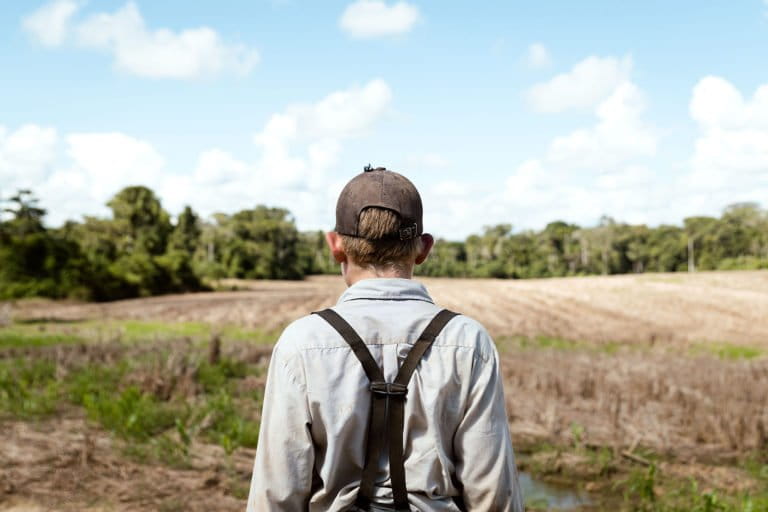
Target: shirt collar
[386, 289]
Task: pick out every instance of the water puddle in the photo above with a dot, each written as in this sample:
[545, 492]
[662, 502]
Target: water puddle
[553, 497]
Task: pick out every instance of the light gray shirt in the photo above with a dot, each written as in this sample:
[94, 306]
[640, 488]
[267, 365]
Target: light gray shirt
[314, 421]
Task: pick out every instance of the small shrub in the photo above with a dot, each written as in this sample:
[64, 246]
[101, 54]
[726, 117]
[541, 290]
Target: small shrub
[28, 388]
[94, 379]
[226, 426]
[131, 414]
[214, 377]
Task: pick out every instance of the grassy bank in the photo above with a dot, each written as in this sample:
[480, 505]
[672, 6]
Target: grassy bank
[157, 387]
[644, 481]
[163, 390]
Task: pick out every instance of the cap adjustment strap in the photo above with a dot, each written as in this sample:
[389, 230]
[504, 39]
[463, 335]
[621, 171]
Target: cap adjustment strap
[409, 232]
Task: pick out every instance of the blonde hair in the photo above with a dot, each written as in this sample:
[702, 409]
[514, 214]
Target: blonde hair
[379, 245]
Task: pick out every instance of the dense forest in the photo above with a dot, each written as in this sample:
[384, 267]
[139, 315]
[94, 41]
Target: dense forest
[142, 251]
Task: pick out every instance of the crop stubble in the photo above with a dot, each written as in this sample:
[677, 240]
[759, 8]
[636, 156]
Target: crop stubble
[651, 392]
[671, 308]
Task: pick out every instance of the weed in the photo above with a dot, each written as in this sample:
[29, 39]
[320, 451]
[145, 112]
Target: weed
[131, 414]
[162, 449]
[727, 351]
[94, 379]
[22, 336]
[223, 423]
[639, 488]
[577, 433]
[505, 344]
[602, 458]
[28, 387]
[216, 376]
[536, 503]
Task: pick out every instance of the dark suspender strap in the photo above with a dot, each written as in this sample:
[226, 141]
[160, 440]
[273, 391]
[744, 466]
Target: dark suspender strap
[372, 370]
[383, 410]
[378, 416]
[422, 345]
[397, 408]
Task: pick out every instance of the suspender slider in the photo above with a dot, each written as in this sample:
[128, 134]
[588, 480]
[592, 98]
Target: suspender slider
[389, 389]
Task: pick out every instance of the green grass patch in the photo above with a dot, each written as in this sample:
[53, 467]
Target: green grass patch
[508, 343]
[727, 351]
[132, 414]
[137, 331]
[28, 336]
[722, 350]
[648, 490]
[225, 425]
[627, 487]
[28, 388]
[214, 377]
[215, 406]
[94, 380]
[42, 332]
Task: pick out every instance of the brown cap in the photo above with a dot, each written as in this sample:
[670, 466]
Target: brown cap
[383, 189]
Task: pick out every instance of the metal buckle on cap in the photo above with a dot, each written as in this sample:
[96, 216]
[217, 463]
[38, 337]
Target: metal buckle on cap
[409, 232]
[389, 388]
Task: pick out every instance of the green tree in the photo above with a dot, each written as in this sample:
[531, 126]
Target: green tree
[186, 233]
[141, 221]
[262, 243]
[27, 216]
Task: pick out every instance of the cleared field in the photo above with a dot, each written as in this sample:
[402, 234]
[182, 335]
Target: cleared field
[729, 307]
[649, 386]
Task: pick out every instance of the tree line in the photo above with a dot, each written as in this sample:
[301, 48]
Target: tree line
[140, 250]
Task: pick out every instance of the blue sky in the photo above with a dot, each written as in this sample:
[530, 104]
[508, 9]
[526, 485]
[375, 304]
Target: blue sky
[515, 112]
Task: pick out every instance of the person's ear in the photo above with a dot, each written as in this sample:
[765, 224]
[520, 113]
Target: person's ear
[427, 241]
[333, 240]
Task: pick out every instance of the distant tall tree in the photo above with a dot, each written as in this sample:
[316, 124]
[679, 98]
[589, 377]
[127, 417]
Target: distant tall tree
[700, 237]
[143, 228]
[186, 233]
[27, 216]
[261, 243]
[140, 217]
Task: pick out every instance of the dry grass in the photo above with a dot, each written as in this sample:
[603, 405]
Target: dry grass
[66, 464]
[651, 308]
[631, 380]
[63, 462]
[691, 408]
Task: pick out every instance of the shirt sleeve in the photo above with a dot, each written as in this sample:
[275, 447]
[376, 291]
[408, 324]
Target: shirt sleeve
[485, 460]
[282, 472]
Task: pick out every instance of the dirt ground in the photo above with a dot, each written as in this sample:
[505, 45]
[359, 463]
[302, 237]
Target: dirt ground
[708, 306]
[67, 465]
[699, 410]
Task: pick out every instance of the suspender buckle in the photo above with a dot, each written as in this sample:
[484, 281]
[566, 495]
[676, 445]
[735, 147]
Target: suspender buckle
[389, 389]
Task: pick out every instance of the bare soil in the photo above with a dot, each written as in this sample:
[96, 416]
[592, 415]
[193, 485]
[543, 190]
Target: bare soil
[66, 464]
[648, 308]
[701, 412]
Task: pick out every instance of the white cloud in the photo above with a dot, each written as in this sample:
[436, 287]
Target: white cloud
[538, 56]
[321, 127]
[113, 160]
[619, 135]
[366, 19]
[49, 24]
[26, 155]
[138, 50]
[595, 170]
[730, 158]
[299, 148]
[587, 84]
[93, 168]
[607, 168]
[339, 115]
